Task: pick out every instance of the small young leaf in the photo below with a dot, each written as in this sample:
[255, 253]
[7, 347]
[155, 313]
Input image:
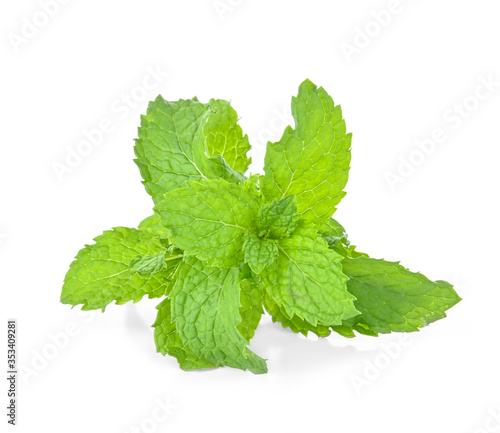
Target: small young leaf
[333, 231]
[278, 219]
[149, 264]
[259, 253]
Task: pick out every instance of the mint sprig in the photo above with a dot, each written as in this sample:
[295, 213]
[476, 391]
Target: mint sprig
[220, 246]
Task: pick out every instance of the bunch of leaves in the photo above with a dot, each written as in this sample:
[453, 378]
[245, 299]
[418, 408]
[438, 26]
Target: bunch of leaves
[220, 246]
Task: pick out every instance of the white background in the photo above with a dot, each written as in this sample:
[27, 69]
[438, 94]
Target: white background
[398, 85]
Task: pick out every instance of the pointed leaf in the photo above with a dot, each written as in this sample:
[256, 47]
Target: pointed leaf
[205, 309]
[168, 341]
[259, 253]
[102, 273]
[295, 323]
[278, 219]
[307, 280]
[225, 137]
[312, 160]
[392, 298]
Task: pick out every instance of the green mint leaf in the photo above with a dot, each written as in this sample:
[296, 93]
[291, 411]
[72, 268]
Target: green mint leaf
[345, 331]
[312, 160]
[149, 264]
[222, 246]
[278, 219]
[220, 169]
[333, 231]
[225, 137]
[259, 253]
[101, 272]
[348, 331]
[295, 323]
[154, 224]
[392, 298]
[172, 146]
[205, 309]
[307, 280]
[169, 342]
[209, 219]
[251, 308]
[336, 238]
[252, 186]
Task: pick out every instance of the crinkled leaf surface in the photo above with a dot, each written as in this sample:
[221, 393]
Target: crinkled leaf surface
[205, 309]
[278, 219]
[220, 245]
[209, 219]
[153, 223]
[251, 308]
[392, 298]
[149, 264]
[312, 160]
[295, 323]
[225, 137]
[168, 341]
[307, 280]
[259, 253]
[101, 272]
[172, 146]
